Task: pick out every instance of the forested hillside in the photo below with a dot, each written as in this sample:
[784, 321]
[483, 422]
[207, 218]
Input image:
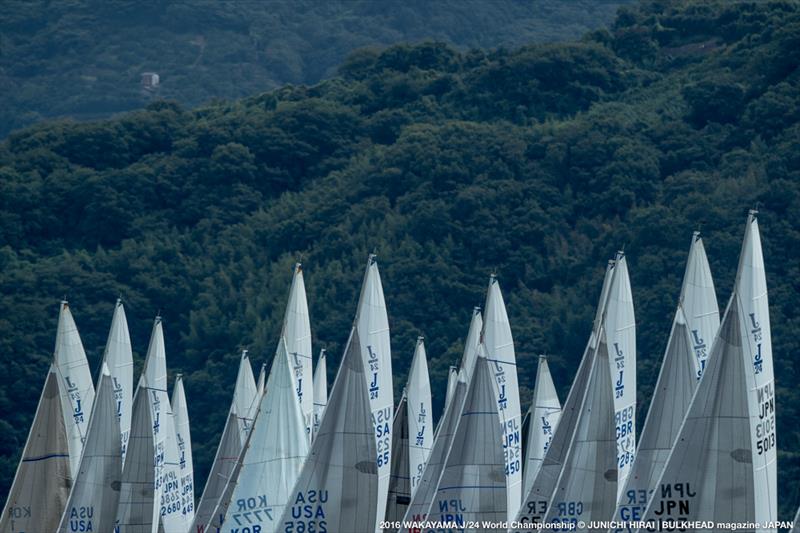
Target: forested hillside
[84, 58]
[536, 163]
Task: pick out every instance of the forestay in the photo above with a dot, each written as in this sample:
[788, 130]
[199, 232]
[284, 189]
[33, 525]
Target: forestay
[320, 390]
[337, 489]
[93, 500]
[118, 357]
[372, 323]
[42, 482]
[544, 415]
[184, 440]
[297, 334]
[420, 415]
[500, 353]
[75, 383]
[399, 483]
[277, 450]
[699, 302]
[722, 467]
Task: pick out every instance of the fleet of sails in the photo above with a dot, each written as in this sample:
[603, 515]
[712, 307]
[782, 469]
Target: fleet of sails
[294, 458]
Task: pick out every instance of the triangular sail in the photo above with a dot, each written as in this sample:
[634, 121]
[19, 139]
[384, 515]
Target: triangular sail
[119, 359]
[420, 416]
[338, 484]
[699, 302]
[452, 380]
[587, 487]
[372, 323]
[276, 454]
[234, 434]
[472, 488]
[399, 483]
[620, 328]
[297, 334]
[184, 439]
[93, 501]
[75, 383]
[42, 482]
[544, 414]
[470, 354]
[722, 467]
[536, 501]
[500, 353]
[137, 491]
[320, 390]
[260, 384]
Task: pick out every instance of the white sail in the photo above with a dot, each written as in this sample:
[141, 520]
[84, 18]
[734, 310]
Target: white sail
[723, 464]
[75, 383]
[470, 354]
[544, 414]
[137, 491]
[184, 440]
[699, 302]
[587, 487]
[119, 358]
[297, 334]
[399, 483]
[620, 328]
[320, 390]
[472, 487]
[426, 490]
[42, 482]
[452, 380]
[420, 415]
[372, 323]
[500, 353]
[234, 434]
[537, 499]
[93, 500]
[337, 489]
[261, 383]
[167, 508]
[276, 454]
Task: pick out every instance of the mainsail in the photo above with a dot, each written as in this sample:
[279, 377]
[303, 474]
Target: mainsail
[75, 383]
[399, 483]
[587, 487]
[297, 334]
[472, 487]
[275, 456]
[234, 434]
[723, 465]
[620, 328]
[536, 501]
[42, 482]
[93, 501]
[544, 414]
[119, 359]
[184, 439]
[699, 302]
[420, 415]
[320, 390]
[372, 323]
[337, 489]
[500, 353]
[683, 361]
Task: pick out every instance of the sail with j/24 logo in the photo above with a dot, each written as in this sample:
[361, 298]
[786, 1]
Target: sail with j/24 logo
[723, 465]
[42, 482]
[420, 415]
[320, 390]
[297, 335]
[274, 457]
[536, 502]
[183, 436]
[620, 328]
[544, 414]
[682, 364]
[337, 489]
[234, 435]
[119, 358]
[372, 323]
[75, 383]
[93, 501]
[497, 340]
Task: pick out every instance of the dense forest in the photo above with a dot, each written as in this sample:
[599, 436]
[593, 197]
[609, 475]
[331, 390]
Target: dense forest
[536, 163]
[84, 58]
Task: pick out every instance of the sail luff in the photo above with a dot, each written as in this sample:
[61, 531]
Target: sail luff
[183, 435]
[94, 498]
[42, 481]
[420, 415]
[118, 356]
[320, 390]
[545, 412]
[297, 335]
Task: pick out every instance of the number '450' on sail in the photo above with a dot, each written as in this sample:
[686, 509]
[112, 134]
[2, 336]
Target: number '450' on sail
[684, 359]
[723, 465]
